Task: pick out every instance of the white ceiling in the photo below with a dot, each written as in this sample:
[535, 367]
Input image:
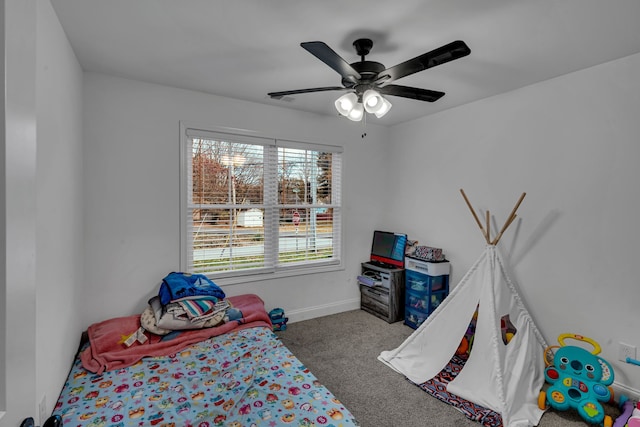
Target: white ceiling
[246, 48]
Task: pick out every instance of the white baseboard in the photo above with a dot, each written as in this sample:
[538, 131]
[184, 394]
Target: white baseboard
[322, 310]
[620, 389]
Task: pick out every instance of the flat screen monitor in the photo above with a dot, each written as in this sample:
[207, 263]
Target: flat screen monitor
[388, 248]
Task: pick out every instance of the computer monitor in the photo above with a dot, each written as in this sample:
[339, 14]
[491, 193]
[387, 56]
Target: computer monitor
[388, 248]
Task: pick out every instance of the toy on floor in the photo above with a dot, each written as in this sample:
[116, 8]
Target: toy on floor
[630, 416]
[278, 320]
[579, 380]
[634, 421]
[467, 340]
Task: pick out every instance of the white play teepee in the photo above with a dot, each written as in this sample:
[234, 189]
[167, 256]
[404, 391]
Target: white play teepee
[506, 378]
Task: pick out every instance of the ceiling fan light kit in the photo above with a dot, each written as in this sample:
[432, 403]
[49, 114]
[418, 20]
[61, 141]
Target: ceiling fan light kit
[367, 81]
[350, 106]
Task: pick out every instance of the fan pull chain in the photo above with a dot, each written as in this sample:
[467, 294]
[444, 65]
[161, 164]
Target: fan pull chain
[364, 126]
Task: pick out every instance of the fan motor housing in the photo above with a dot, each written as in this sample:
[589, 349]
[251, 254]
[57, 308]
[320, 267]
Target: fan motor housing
[368, 71]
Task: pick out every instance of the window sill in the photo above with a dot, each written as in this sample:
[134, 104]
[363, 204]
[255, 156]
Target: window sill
[258, 277]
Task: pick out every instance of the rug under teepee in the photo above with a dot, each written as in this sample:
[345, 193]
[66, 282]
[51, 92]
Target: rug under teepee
[437, 387]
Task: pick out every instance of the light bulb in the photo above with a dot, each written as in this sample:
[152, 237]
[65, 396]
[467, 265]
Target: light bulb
[372, 100]
[356, 113]
[346, 103]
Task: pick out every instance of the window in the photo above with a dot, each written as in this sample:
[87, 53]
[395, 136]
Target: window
[254, 205]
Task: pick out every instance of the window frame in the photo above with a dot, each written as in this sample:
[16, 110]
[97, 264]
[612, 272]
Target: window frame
[276, 271]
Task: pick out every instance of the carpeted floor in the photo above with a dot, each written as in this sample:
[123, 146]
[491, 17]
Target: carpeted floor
[342, 350]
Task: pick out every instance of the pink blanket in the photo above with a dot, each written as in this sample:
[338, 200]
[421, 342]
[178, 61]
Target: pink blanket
[107, 350]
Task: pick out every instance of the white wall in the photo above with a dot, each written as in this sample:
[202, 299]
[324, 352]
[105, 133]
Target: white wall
[17, 284]
[59, 248]
[572, 145]
[131, 161]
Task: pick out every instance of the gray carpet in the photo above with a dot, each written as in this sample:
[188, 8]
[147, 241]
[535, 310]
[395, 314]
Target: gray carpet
[341, 351]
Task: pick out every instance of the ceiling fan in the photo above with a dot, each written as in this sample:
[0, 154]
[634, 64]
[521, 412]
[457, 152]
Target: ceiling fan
[367, 80]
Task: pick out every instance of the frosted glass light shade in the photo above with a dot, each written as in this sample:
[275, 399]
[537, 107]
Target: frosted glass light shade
[372, 101]
[346, 103]
[384, 108]
[356, 113]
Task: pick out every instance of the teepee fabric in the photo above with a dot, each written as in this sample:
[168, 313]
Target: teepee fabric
[506, 378]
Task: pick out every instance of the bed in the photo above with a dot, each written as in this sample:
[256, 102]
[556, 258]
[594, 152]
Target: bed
[241, 375]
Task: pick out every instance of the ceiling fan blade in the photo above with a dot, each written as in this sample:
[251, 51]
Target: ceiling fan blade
[439, 56]
[327, 55]
[411, 92]
[278, 95]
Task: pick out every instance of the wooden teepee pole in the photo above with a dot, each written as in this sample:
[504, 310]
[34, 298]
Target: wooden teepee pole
[486, 233]
[509, 220]
[473, 212]
[488, 221]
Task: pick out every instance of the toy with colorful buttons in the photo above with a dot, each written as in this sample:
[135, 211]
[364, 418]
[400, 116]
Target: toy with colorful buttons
[278, 319]
[579, 380]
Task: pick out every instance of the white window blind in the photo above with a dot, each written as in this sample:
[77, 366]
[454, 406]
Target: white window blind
[257, 205]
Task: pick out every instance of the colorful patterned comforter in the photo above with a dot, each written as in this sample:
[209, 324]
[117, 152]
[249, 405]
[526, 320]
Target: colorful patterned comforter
[245, 378]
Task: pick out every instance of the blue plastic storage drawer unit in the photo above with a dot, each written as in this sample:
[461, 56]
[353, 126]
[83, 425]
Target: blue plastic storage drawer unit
[427, 285]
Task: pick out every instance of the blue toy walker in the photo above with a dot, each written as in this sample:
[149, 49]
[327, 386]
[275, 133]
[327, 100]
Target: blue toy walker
[579, 380]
